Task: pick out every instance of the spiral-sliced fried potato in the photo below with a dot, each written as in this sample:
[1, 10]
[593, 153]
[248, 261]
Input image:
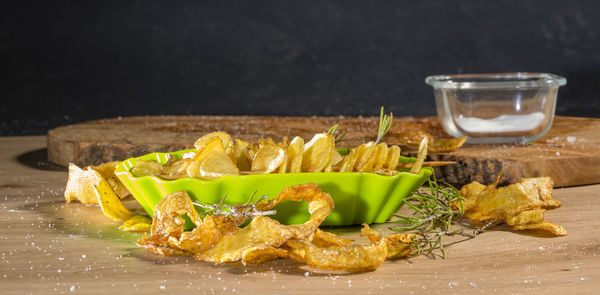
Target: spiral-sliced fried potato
[219, 239]
[318, 153]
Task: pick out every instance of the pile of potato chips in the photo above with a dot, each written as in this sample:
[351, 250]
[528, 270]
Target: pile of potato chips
[219, 238]
[217, 155]
[520, 205]
[98, 185]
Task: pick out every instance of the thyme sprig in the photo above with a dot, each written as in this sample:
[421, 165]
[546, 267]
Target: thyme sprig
[245, 210]
[435, 209]
[338, 138]
[385, 122]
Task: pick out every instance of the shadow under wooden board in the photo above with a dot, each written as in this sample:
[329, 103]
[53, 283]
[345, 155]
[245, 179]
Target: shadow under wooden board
[569, 152]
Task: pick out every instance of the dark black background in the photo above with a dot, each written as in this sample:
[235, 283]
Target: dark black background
[71, 61]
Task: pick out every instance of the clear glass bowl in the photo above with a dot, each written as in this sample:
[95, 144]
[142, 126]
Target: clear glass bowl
[496, 108]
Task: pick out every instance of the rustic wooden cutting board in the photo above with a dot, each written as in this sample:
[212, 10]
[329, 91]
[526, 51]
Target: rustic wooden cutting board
[569, 152]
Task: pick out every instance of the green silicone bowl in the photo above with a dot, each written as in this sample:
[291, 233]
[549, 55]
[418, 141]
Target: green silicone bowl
[359, 197]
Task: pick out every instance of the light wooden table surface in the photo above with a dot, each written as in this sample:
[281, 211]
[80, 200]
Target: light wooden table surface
[50, 247]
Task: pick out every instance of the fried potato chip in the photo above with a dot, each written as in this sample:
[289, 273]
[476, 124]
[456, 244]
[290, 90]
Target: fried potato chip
[107, 171]
[206, 141]
[214, 165]
[212, 144]
[318, 153]
[393, 157]
[365, 156]
[422, 154]
[260, 255]
[347, 257]
[381, 155]
[268, 157]
[337, 159]
[80, 185]
[398, 245]
[294, 155]
[520, 205]
[447, 145]
[350, 160]
[413, 138]
[325, 239]
[137, 223]
[146, 167]
[176, 168]
[167, 228]
[284, 164]
[110, 203]
[238, 152]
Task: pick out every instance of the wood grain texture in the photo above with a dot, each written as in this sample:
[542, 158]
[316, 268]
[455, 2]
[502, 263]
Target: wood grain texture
[48, 246]
[566, 152]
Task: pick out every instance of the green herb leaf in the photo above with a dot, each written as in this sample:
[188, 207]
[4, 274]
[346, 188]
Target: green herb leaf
[385, 122]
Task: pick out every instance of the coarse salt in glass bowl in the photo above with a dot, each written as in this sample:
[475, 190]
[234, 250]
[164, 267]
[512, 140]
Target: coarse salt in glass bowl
[496, 108]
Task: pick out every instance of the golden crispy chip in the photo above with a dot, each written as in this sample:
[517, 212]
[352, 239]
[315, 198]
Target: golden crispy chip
[175, 168]
[337, 159]
[413, 138]
[365, 158]
[137, 223]
[268, 157]
[212, 144]
[214, 165]
[80, 185]
[294, 155]
[238, 153]
[110, 203]
[382, 155]
[167, 235]
[370, 155]
[261, 232]
[398, 245]
[325, 239]
[350, 160]
[206, 141]
[318, 153]
[263, 254]
[320, 204]
[146, 167]
[393, 157]
[551, 228]
[284, 164]
[346, 258]
[447, 145]
[420, 156]
[520, 205]
[107, 171]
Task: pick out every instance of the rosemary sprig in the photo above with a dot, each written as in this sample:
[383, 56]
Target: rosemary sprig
[338, 138]
[435, 209]
[246, 210]
[385, 122]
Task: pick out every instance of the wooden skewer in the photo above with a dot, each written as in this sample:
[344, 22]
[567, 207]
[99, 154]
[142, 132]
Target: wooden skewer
[401, 165]
[428, 164]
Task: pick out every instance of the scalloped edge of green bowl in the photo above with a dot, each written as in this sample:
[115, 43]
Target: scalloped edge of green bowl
[358, 197]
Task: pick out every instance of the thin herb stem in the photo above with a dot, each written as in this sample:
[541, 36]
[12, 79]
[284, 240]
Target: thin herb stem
[246, 210]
